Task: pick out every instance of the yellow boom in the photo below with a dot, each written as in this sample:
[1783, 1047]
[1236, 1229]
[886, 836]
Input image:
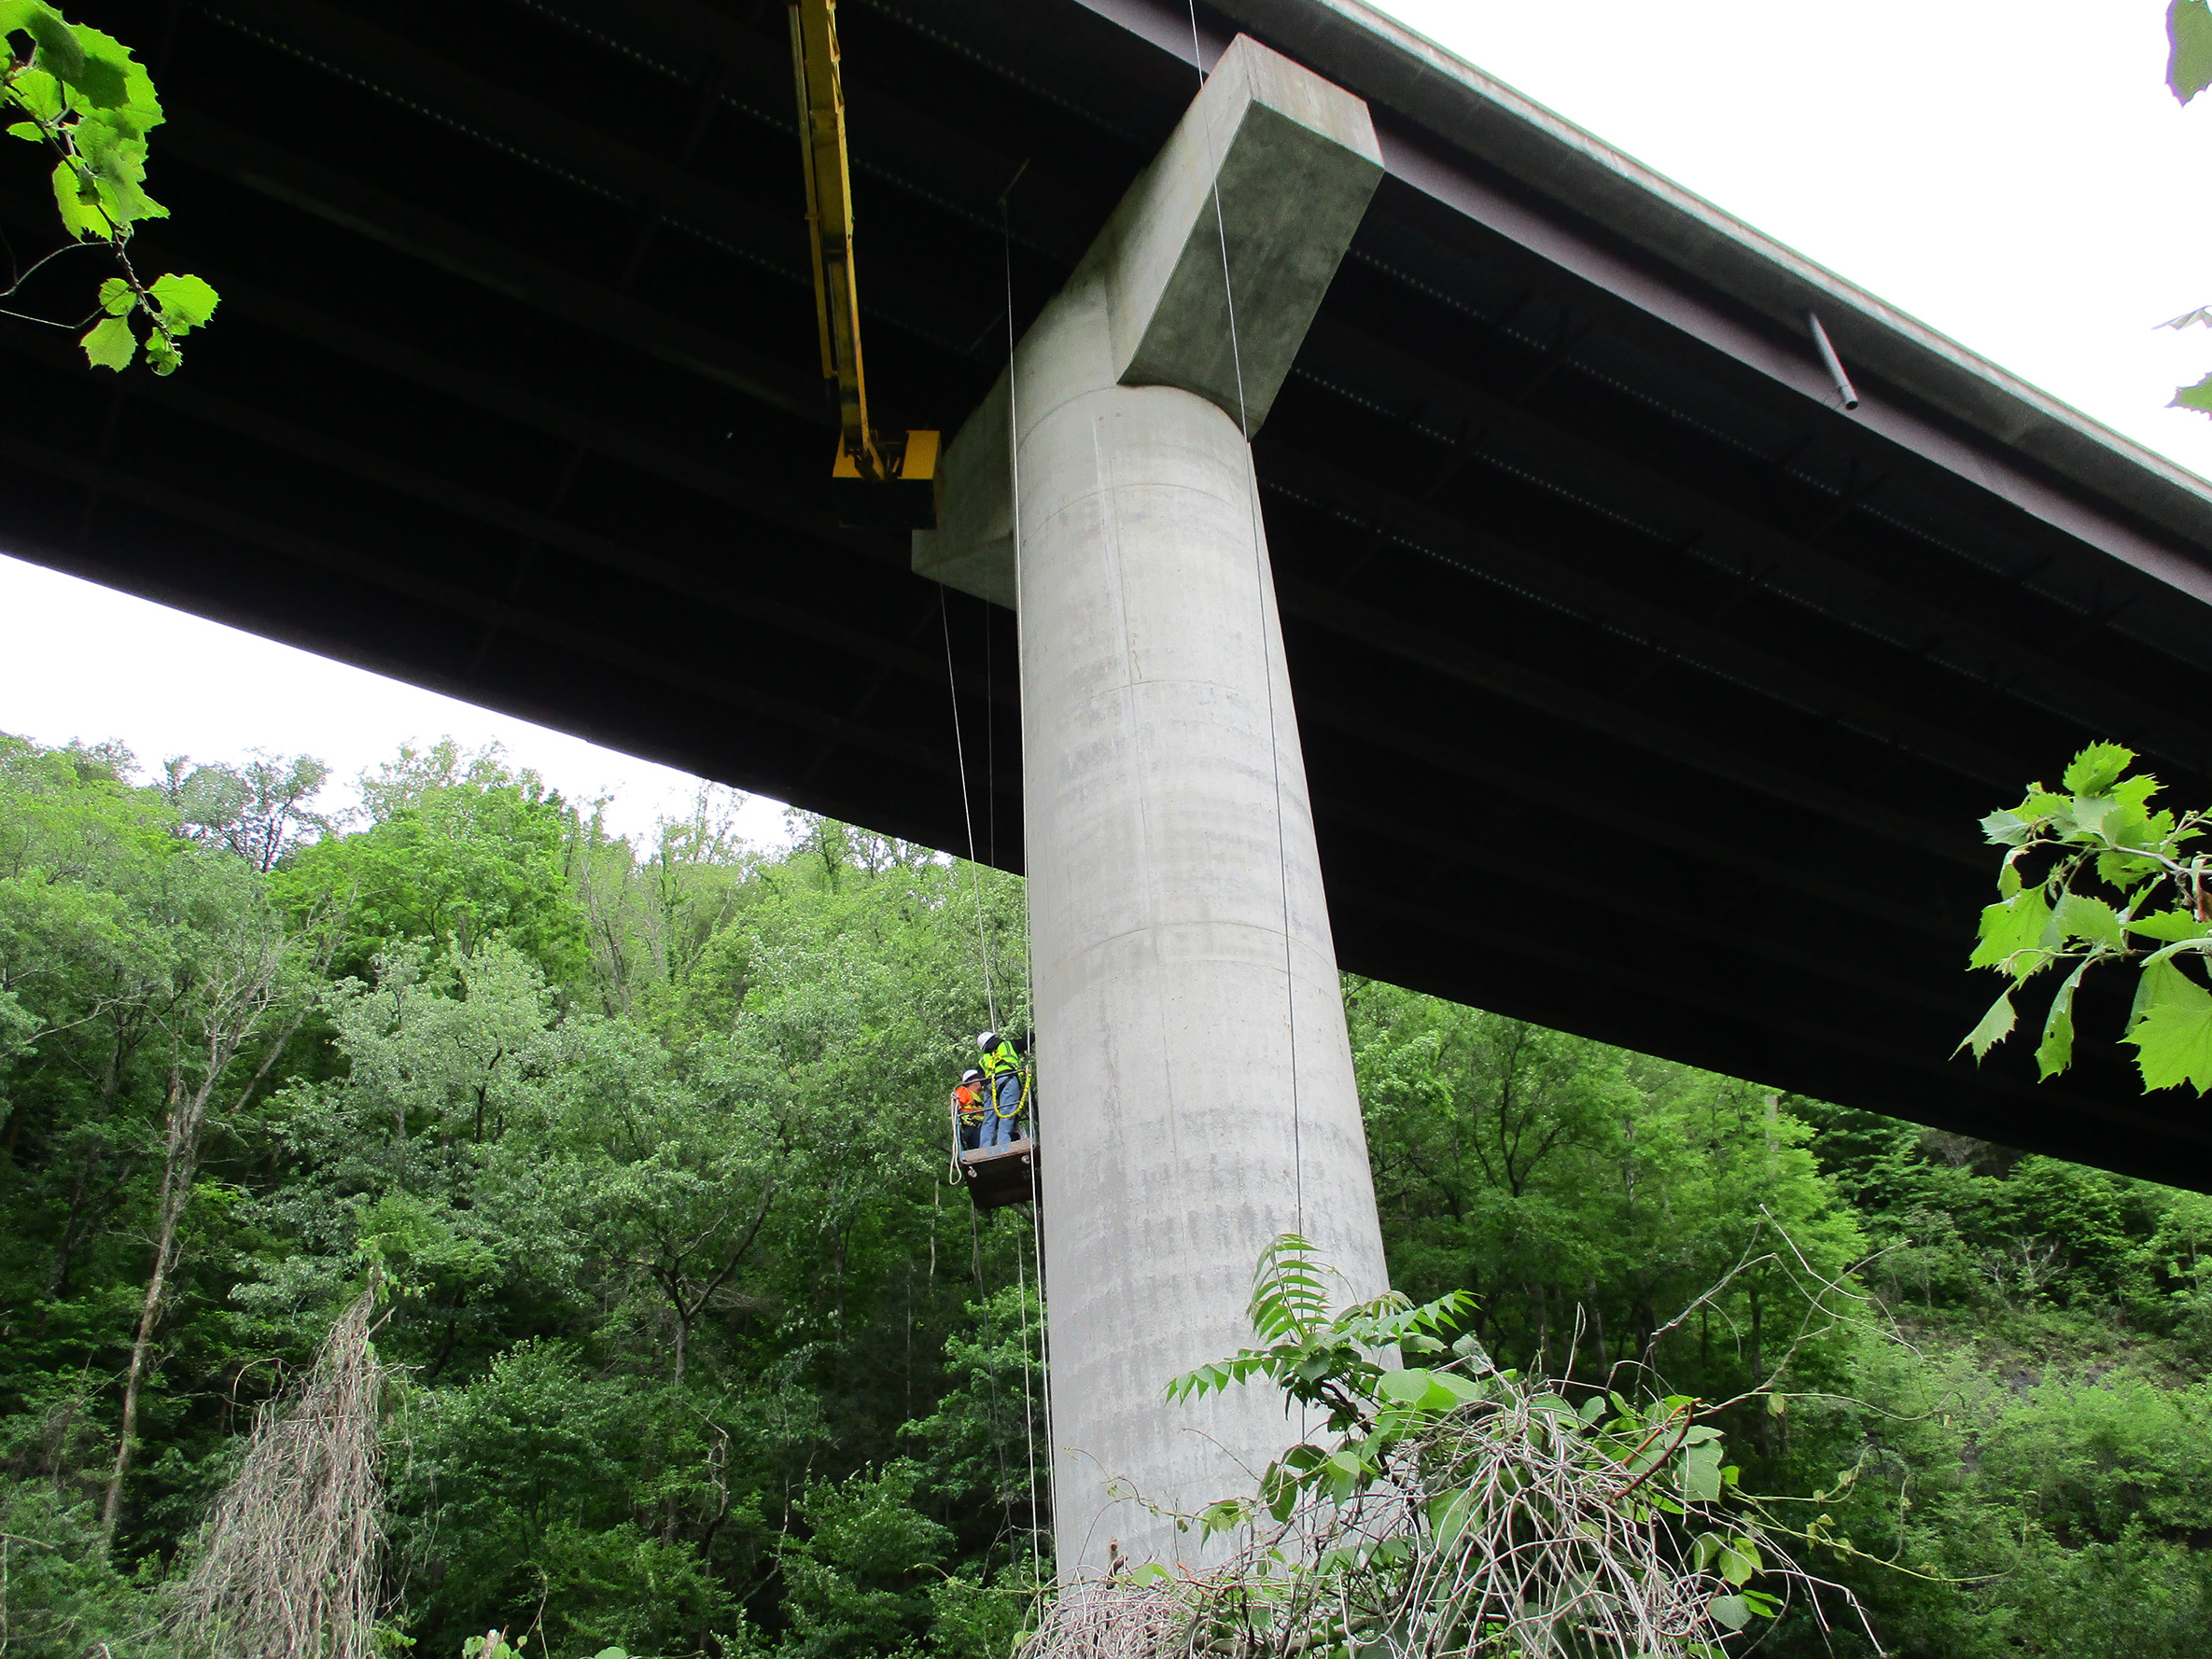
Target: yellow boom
[877, 478]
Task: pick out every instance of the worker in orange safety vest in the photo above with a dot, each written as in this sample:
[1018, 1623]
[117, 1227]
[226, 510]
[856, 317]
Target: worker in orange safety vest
[969, 1105]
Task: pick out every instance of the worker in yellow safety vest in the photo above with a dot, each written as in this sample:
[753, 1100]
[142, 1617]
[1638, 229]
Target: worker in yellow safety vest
[1005, 1085]
[971, 1105]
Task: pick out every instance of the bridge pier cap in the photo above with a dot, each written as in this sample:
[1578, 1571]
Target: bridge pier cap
[1195, 1075]
[1296, 161]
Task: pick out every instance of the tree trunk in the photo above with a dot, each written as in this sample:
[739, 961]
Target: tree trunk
[82, 1215]
[179, 1163]
[1762, 1434]
[234, 1012]
[1597, 1321]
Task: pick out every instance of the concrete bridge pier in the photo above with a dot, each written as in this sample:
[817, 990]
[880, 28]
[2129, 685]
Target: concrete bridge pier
[1194, 1070]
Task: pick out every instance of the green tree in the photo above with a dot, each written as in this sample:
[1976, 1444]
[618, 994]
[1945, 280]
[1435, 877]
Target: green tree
[858, 1577]
[459, 849]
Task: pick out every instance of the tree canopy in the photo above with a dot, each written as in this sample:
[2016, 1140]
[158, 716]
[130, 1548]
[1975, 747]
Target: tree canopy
[691, 1348]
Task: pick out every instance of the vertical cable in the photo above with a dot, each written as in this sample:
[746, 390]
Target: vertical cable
[1052, 1464]
[959, 750]
[990, 1368]
[1052, 1467]
[1028, 1414]
[990, 743]
[1290, 984]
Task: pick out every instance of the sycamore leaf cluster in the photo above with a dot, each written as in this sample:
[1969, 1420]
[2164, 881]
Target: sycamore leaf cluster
[87, 101]
[2094, 878]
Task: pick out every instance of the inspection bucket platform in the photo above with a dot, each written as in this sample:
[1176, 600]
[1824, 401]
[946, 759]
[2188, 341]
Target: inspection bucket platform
[999, 1175]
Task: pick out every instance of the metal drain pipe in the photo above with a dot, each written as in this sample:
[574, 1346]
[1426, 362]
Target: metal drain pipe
[1835, 364]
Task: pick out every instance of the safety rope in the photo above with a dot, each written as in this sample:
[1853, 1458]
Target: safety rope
[1029, 1389]
[1290, 984]
[960, 749]
[991, 1372]
[1028, 1416]
[1052, 1487]
[1029, 1394]
[1052, 1462]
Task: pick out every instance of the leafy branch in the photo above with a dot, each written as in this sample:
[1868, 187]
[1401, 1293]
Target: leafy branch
[1451, 1507]
[2093, 878]
[2189, 72]
[90, 104]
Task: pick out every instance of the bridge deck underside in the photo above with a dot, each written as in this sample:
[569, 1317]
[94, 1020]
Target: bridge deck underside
[1640, 696]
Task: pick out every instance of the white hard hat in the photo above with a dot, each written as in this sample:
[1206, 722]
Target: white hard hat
[987, 1041]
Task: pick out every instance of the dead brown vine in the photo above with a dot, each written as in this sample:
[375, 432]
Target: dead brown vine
[288, 1560]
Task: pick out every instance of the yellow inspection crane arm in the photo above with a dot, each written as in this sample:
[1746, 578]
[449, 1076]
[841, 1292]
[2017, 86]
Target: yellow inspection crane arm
[867, 458]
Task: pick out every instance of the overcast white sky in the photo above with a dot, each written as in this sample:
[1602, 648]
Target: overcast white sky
[2015, 177]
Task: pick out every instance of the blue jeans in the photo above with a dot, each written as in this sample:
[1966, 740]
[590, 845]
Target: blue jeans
[1001, 1130]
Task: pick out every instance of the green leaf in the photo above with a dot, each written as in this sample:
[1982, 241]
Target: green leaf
[2124, 870]
[1449, 1514]
[2097, 768]
[1731, 1611]
[1462, 1391]
[59, 53]
[1737, 1561]
[2188, 40]
[1701, 1472]
[2081, 916]
[1994, 1027]
[39, 93]
[186, 301]
[1408, 1387]
[79, 202]
[111, 345]
[1223, 1515]
[2055, 1053]
[2170, 925]
[113, 149]
[114, 80]
[2173, 1034]
[2161, 978]
[116, 298]
[2136, 791]
[2011, 927]
[2088, 813]
[2198, 397]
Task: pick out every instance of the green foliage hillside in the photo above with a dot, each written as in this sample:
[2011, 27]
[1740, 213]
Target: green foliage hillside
[695, 1351]
[2011, 1438]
